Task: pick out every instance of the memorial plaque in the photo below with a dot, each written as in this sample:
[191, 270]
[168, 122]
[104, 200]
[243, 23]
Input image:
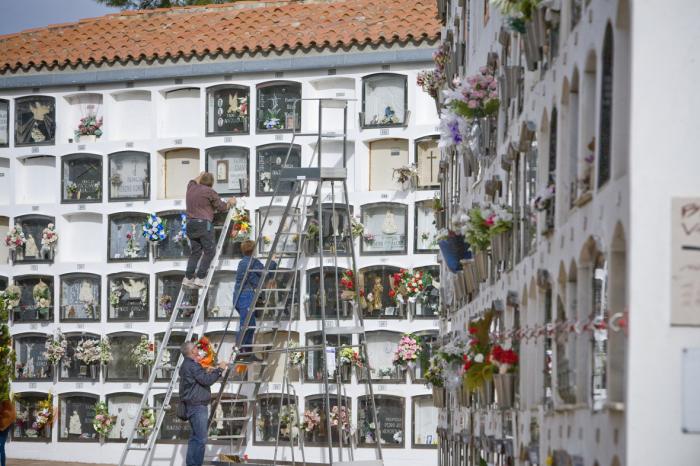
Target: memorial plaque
[129, 175]
[80, 297]
[276, 107]
[685, 261]
[228, 110]
[32, 363]
[76, 415]
[270, 161]
[4, 123]
[230, 168]
[385, 228]
[35, 121]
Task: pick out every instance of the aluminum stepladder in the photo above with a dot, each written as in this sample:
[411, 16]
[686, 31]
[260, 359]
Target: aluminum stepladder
[302, 179]
[173, 324]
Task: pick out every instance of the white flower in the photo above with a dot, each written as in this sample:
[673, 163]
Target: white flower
[479, 358]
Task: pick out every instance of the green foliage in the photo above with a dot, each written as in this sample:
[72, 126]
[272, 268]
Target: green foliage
[151, 4]
[7, 356]
[478, 374]
[461, 108]
[478, 235]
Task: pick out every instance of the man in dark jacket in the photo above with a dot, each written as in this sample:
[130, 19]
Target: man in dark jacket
[196, 395]
[202, 203]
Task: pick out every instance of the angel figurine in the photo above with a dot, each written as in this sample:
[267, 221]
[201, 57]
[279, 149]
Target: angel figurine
[377, 291]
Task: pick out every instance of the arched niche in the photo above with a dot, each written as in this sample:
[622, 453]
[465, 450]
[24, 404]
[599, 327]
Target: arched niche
[230, 166]
[73, 368]
[267, 418]
[89, 227]
[384, 100]
[129, 176]
[424, 422]
[125, 241]
[227, 110]
[80, 297]
[334, 306]
[617, 354]
[168, 284]
[386, 228]
[75, 415]
[391, 414]
[31, 308]
[277, 361]
[122, 368]
[318, 403]
[175, 246]
[376, 283]
[270, 160]
[33, 227]
[131, 116]
[35, 121]
[27, 406]
[171, 355]
[278, 106]
[181, 115]
[313, 365]
[425, 235]
[381, 345]
[128, 296]
[428, 305]
[31, 362]
[176, 168]
[385, 156]
[125, 407]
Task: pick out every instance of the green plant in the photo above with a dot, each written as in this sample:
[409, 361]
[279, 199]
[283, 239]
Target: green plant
[478, 235]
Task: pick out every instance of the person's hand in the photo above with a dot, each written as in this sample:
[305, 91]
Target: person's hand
[222, 365]
[231, 202]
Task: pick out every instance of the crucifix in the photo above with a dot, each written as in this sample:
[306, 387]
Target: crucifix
[430, 158]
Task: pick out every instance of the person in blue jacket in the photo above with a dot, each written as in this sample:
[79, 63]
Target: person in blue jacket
[247, 293]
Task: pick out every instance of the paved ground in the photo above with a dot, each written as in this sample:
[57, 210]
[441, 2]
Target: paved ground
[11, 462]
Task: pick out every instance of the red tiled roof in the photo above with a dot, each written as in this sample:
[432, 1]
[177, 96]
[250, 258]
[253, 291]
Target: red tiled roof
[237, 28]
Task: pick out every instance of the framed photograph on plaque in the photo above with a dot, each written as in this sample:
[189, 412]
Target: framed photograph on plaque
[221, 171]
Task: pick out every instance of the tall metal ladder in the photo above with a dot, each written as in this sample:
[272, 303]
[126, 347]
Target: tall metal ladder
[302, 180]
[173, 324]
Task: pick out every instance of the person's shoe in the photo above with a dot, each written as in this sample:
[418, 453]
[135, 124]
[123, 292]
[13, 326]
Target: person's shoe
[188, 282]
[199, 283]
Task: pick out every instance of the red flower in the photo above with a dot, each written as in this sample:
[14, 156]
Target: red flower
[392, 293]
[349, 273]
[467, 364]
[473, 330]
[362, 293]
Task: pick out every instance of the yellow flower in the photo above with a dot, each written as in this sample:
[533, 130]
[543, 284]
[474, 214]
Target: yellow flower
[549, 461]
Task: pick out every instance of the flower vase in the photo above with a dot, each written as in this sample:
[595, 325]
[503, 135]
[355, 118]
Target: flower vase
[486, 393]
[470, 274]
[42, 313]
[464, 395]
[94, 371]
[347, 295]
[87, 138]
[143, 372]
[453, 249]
[53, 369]
[154, 248]
[412, 370]
[345, 372]
[146, 185]
[482, 265]
[460, 288]
[51, 253]
[505, 389]
[497, 247]
[399, 371]
[18, 254]
[439, 397]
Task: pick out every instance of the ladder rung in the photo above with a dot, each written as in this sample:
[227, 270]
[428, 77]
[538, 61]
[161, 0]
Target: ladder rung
[249, 363]
[344, 330]
[230, 419]
[237, 400]
[257, 345]
[226, 437]
[270, 308]
[139, 448]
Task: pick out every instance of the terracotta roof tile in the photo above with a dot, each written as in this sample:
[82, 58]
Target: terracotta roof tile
[240, 27]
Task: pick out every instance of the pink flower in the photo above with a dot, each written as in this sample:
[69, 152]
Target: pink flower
[472, 104]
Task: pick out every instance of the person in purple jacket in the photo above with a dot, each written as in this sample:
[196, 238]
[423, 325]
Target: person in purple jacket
[202, 203]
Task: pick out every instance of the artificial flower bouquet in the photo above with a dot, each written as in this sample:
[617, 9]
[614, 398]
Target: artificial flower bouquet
[406, 173]
[103, 422]
[505, 360]
[478, 368]
[89, 126]
[131, 249]
[15, 238]
[544, 198]
[296, 358]
[475, 96]
[350, 356]
[410, 286]
[144, 353]
[181, 236]
[347, 285]
[311, 420]
[357, 228]
[147, 423]
[340, 417]
[49, 237]
[56, 349]
[241, 228]
[12, 295]
[88, 351]
[206, 352]
[435, 374]
[44, 415]
[105, 351]
[406, 353]
[42, 298]
[154, 228]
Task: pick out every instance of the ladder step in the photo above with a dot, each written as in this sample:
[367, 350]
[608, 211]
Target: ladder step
[139, 448]
[270, 308]
[237, 400]
[230, 419]
[227, 437]
[344, 330]
[257, 345]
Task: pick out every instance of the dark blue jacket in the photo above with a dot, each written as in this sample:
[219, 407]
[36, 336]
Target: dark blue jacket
[195, 382]
[254, 274]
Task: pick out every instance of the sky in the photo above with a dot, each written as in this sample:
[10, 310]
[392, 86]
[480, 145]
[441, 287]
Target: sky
[18, 15]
